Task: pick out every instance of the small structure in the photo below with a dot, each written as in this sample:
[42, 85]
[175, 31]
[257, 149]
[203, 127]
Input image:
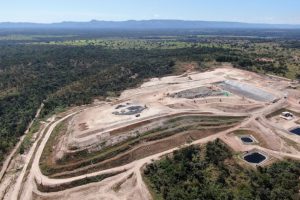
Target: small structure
[287, 115]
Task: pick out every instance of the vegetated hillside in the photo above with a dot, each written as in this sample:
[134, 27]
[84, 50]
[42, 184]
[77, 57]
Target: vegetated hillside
[212, 173]
[64, 72]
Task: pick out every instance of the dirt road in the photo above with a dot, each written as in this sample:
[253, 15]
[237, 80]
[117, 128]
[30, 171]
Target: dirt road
[16, 148]
[129, 184]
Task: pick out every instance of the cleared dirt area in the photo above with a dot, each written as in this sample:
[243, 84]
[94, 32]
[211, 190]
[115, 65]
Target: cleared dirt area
[168, 133]
[97, 152]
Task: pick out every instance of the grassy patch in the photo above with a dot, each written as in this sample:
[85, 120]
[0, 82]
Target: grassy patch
[75, 183]
[28, 140]
[124, 43]
[46, 156]
[25, 37]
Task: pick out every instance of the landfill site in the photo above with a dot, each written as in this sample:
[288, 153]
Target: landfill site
[102, 148]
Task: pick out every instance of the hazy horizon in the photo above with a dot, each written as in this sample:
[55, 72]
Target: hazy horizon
[86, 21]
[55, 11]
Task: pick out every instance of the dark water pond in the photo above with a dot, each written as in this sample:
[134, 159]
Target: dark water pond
[247, 139]
[255, 158]
[296, 131]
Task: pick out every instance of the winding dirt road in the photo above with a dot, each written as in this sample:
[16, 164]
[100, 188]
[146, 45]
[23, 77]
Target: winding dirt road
[129, 184]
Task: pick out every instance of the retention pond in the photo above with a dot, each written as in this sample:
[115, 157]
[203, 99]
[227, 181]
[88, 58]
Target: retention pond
[295, 131]
[255, 157]
[247, 139]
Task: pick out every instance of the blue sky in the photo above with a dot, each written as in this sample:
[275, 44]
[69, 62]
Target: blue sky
[260, 11]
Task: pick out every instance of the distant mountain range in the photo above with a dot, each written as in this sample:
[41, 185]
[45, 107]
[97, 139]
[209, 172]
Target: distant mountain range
[146, 24]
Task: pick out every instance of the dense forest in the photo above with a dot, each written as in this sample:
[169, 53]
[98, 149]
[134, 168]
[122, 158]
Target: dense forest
[62, 76]
[211, 172]
[65, 69]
